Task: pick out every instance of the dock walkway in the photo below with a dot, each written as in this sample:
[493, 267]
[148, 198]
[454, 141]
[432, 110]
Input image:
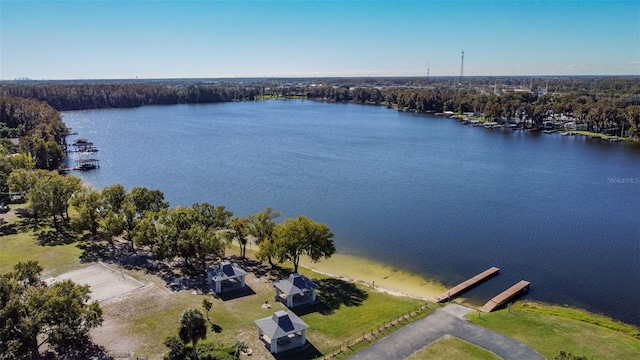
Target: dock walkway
[505, 296]
[466, 285]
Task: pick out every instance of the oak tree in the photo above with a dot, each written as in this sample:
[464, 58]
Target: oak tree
[302, 236]
[35, 315]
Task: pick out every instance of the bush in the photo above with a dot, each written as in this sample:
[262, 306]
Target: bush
[569, 356]
[208, 351]
[205, 351]
[177, 350]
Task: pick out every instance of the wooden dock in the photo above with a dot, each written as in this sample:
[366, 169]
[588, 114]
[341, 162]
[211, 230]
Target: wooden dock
[466, 285]
[505, 296]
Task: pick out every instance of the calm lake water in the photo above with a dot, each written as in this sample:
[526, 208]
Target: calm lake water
[418, 192]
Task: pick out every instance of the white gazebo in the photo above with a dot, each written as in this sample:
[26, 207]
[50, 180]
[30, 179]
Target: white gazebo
[295, 290]
[227, 275]
[282, 331]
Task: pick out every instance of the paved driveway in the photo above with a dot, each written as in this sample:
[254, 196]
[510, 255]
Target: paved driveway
[447, 320]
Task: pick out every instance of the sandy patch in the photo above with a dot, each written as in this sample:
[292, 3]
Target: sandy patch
[105, 283]
[115, 332]
[382, 277]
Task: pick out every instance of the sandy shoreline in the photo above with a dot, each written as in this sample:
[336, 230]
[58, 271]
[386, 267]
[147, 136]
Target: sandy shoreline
[364, 271]
[374, 274]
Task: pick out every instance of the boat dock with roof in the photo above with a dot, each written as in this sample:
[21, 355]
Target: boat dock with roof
[87, 164]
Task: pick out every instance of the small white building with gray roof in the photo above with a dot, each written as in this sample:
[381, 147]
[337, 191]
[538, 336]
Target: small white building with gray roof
[282, 331]
[227, 276]
[295, 290]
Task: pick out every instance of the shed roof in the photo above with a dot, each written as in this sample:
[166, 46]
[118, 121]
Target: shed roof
[281, 324]
[295, 284]
[225, 271]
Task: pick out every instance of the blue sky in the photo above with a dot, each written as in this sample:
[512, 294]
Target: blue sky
[186, 39]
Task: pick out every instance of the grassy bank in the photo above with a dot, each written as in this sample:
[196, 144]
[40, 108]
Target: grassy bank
[550, 329]
[24, 247]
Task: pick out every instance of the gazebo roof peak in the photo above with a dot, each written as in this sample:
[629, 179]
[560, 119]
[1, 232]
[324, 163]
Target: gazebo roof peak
[226, 270]
[283, 320]
[280, 324]
[295, 284]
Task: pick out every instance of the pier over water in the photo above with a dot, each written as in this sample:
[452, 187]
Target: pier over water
[503, 297]
[466, 285]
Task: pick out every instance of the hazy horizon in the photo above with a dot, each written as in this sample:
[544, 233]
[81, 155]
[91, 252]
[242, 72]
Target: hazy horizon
[111, 40]
[265, 78]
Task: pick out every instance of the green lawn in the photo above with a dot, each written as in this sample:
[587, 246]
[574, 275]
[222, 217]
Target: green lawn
[19, 243]
[447, 348]
[550, 329]
[345, 311]
[142, 321]
[24, 247]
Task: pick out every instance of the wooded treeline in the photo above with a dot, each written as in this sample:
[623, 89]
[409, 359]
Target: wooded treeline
[64, 97]
[611, 107]
[604, 104]
[41, 134]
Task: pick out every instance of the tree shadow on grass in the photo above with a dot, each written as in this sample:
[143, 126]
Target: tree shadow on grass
[333, 293]
[7, 229]
[215, 327]
[89, 351]
[25, 221]
[272, 273]
[94, 251]
[56, 237]
[256, 267]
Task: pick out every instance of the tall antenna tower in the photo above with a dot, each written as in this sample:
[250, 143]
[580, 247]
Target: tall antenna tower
[427, 71]
[462, 67]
